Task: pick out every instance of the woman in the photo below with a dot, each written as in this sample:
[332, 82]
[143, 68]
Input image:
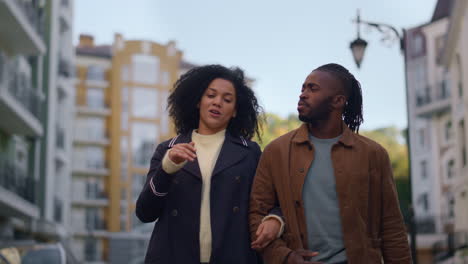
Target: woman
[199, 182]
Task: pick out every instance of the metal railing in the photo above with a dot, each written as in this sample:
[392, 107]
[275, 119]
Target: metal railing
[65, 69]
[20, 86]
[34, 13]
[16, 180]
[429, 94]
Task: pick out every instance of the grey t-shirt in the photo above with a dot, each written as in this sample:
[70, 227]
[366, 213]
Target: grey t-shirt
[321, 208]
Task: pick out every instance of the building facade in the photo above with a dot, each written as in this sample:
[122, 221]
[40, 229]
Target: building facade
[432, 138]
[437, 53]
[455, 61]
[32, 35]
[121, 116]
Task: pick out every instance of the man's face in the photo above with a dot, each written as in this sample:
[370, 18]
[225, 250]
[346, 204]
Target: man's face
[317, 95]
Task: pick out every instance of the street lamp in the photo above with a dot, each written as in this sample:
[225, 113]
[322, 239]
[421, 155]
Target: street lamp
[358, 47]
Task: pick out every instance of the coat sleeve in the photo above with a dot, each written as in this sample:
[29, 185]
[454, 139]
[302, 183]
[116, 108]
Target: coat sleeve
[262, 200]
[395, 247]
[152, 198]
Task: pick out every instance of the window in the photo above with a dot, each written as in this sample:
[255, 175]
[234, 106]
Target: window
[451, 207]
[95, 157]
[144, 102]
[439, 45]
[424, 201]
[448, 130]
[90, 249]
[125, 73]
[95, 73]
[144, 136]
[138, 181]
[424, 169]
[145, 69]
[463, 142]
[124, 158]
[124, 114]
[95, 98]
[460, 76]
[165, 78]
[164, 121]
[450, 169]
[422, 137]
[417, 45]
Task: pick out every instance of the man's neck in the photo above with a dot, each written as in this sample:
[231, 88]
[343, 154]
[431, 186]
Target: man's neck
[326, 128]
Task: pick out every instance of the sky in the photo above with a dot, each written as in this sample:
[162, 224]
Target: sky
[278, 43]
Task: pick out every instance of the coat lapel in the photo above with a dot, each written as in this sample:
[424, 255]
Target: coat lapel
[234, 149]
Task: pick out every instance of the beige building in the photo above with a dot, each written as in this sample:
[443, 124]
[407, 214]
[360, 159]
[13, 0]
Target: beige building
[121, 116]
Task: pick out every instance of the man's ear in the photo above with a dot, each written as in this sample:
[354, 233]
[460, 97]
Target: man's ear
[339, 101]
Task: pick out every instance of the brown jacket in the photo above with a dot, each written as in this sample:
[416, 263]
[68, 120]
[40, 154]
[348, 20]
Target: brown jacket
[372, 223]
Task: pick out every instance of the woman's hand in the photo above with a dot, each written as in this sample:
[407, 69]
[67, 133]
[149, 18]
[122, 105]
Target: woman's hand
[267, 231]
[182, 152]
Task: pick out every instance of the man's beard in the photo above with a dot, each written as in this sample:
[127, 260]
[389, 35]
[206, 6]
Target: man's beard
[319, 113]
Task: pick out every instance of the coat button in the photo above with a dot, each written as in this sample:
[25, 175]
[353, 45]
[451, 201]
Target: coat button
[235, 209]
[301, 170]
[298, 204]
[238, 178]
[175, 181]
[174, 212]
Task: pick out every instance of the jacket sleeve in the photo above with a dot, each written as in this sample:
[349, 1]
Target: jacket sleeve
[395, 246]
[152, 198]
[262, 200]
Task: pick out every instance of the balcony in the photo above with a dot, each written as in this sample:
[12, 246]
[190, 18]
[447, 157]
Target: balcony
[433, 101]
[20, 102]
[66, 15]
[90, 137]
[21, 26]
[99, 199]
[17, 190]
[90, 171]
[101, 111]
[426, 225]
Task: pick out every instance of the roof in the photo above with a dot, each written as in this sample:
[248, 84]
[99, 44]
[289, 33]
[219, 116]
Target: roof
[103, 51]
[443, 9]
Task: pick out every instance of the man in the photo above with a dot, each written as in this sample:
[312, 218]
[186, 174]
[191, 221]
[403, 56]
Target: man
[335, 187]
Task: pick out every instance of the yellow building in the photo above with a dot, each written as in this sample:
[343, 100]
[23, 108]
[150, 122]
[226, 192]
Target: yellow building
[121, 116]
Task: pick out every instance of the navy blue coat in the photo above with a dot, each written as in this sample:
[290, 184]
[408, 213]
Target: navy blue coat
[175, 238]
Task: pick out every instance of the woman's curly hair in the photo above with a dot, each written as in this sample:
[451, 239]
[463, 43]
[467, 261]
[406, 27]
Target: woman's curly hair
[189, 89]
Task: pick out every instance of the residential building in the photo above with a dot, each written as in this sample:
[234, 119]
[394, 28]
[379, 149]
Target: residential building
[455, 61]
[432, 141]
[121, 116]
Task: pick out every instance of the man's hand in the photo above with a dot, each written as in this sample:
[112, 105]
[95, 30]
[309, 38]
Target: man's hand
[301, 256]
[182, 152]
[266, 232]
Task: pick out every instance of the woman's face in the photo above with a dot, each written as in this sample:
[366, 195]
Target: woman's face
[217, 106]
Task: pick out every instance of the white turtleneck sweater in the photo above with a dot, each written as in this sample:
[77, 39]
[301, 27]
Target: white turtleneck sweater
[208, 148]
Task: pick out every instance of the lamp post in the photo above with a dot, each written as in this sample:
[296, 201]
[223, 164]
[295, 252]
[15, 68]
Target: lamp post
[358, 48]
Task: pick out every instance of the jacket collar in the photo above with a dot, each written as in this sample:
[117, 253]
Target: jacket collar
[302, 135]
[234, 149]
[187, 138]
